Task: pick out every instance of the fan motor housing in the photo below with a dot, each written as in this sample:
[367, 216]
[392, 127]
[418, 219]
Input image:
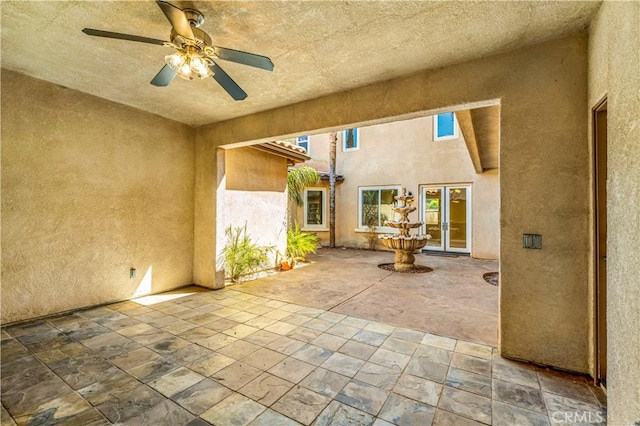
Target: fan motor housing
[202, 39]
[195, 17]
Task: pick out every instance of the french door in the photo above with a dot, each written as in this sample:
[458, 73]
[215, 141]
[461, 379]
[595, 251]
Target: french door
[446, 213]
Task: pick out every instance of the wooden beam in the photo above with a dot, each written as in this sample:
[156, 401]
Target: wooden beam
[465, 121]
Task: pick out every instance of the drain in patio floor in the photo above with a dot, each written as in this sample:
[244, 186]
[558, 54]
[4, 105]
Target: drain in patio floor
[491, 277]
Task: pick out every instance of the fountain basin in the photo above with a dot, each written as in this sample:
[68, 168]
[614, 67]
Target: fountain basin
[401, 242]
[404, 225]
[404, 246]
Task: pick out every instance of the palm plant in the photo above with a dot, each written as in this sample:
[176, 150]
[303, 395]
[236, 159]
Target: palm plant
[297, 179]
[300, 243]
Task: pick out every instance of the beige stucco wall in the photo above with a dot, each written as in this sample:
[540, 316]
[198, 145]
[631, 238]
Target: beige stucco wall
[319, 152]
[234, 187]
[614, 71]
[255, 195]
[90, 189]
[544, 160]
[404, 153]
[486, 216]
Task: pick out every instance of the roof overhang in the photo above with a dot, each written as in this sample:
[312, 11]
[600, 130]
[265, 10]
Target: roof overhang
[293, 153]
[324, 177]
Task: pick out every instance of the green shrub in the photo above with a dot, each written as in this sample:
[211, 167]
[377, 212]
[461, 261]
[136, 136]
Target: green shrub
[242, 256]
[300, 243]
[370, 238]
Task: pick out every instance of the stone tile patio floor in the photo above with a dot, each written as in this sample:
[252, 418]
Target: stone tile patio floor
[231, 358]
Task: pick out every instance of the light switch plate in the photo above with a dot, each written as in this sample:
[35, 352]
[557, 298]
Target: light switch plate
[532, 241]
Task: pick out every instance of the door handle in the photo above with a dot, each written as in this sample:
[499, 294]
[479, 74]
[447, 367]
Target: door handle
[603, 257]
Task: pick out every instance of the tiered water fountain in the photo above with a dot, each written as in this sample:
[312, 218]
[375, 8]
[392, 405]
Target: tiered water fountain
[403, 243]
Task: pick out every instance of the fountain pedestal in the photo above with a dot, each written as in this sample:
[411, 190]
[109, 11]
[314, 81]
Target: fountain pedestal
[404, 244]
[404, 260]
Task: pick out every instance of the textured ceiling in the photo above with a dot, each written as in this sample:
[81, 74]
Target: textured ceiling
[318, 48]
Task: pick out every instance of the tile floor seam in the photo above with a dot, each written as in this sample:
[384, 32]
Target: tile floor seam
[444, 383]
[546, 408]
[358, 293]
[271, 297]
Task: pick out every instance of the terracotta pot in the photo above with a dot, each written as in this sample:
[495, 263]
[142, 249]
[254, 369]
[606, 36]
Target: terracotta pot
[287, 265]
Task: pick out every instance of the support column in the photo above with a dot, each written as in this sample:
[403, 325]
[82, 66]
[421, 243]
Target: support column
[208, 178]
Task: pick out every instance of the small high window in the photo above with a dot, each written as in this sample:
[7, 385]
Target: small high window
[303, 142]
[350, 139]
[445, 126]
[315, 205]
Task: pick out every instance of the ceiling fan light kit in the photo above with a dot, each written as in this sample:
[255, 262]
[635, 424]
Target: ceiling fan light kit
[188, 64]
[195, 56]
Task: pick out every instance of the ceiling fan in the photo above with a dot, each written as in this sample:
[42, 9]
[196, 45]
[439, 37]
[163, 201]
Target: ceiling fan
[195, 56]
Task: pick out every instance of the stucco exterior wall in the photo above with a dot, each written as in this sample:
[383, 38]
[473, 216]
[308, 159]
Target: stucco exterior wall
[614, 70]
[319, 152]
[404, 153]
[544, 157]
[81, 203]
[486, 216]
[255, 195]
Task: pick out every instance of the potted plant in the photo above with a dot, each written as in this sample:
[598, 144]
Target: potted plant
[299, 244]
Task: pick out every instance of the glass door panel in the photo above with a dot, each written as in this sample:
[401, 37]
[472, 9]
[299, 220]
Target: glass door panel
[432, 214]
[446, 213]
[457, 219]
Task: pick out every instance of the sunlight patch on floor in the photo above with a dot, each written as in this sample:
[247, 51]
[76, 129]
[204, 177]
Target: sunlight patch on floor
[159, 298]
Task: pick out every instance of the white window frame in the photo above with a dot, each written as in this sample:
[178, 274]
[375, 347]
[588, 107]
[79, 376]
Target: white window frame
[305, 139]
[314, 227]
[379, 229]
[456, 132]
[344, 140]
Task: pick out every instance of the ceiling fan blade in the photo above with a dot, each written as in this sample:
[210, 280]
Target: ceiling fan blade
[130, 37]
[227, 83]
[244, 58]
[178, 20]
[164, 77]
